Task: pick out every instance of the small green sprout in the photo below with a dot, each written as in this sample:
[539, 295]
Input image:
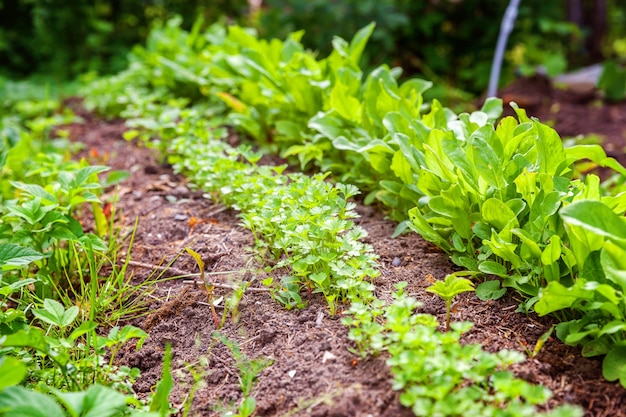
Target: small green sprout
[449, 288]
[208, 286]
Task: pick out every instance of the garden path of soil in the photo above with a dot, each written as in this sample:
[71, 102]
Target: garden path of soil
[313, 373]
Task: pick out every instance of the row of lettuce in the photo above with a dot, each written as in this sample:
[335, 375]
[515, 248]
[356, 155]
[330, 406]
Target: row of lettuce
[56, 360]
[503, 198]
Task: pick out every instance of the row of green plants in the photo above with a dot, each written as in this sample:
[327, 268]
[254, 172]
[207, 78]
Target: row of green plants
[301, 224]
[494, 195]
[437, 374]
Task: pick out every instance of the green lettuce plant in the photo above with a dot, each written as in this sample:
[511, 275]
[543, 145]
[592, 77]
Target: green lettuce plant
[598, 235]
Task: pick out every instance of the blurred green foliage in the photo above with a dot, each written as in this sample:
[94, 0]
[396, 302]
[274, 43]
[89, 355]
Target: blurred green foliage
[64, 38]
[444, 40]
[450, 42]
[614, 46]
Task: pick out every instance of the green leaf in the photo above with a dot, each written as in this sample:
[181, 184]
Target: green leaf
[199, 261]
[552, 251]
[493, 108]
[451, 286]
[594, 153]
[54, 313]
[96, 401]
[528, 244]
[127, 333]
[596, 217]
[550, 152]
[16, 255]
[401, 167]
[85, 327]
[247, 407]
[419, 225]
[614, 365]
[18, 401]
[614, 264]
[32, 337]
[35, 191]
[160, 398]
[497, 213]
[343, 103]
[84, 173]
[11, 288]
[486, 158]
[130, 134]
[489, 290]
[115, 177]
[504, 249]
[555, 296]
[357, 45]
[13, 371]
[493, 268]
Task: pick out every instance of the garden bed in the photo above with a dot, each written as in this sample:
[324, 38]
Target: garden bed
[313, 372]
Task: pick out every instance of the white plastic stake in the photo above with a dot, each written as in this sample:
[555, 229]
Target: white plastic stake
[505, 30]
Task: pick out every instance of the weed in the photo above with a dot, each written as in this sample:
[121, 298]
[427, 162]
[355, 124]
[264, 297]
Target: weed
[249, 369]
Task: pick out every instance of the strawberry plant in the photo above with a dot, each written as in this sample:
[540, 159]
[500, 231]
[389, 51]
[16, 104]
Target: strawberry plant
[53, 298]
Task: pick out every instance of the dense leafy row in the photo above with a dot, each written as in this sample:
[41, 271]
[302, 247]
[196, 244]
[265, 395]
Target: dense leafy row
[439, 375]
[301, 224]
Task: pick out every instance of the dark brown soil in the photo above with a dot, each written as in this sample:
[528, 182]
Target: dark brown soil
[313, 373]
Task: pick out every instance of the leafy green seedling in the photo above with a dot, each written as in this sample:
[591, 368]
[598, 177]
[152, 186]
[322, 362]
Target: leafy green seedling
[15, 255]
[449, 288]
[209, 287]
[542, 341]
[55, 314]
[289, 293]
